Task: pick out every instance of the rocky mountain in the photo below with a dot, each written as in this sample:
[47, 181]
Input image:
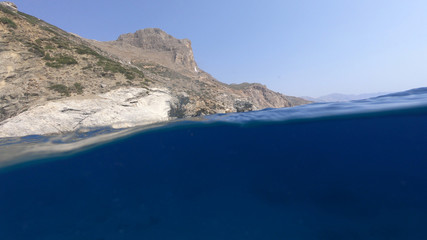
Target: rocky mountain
[53, 81]
[154, 45]
[171, 63]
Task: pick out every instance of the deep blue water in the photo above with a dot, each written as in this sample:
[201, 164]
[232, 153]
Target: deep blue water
[330, 171]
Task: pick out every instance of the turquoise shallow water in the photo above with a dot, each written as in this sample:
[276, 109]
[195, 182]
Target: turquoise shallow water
[352, 170]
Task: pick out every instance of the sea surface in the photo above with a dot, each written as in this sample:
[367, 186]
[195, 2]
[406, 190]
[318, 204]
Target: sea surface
[325, 171]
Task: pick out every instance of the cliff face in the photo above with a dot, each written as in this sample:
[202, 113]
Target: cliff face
[171, 63]
[43, 67]
[155, 44]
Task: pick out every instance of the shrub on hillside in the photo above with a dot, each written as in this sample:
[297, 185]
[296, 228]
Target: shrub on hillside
[8, 22]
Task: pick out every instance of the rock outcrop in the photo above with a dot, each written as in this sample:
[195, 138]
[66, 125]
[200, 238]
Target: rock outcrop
[44, 71]
[170, 62]
[120, 108]
[153, 44]
[9, 5]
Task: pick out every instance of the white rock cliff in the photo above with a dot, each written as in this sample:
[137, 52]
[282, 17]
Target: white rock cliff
[125, 107]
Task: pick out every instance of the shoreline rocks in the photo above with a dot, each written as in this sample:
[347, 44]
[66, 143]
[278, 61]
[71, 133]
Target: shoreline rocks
[124, 107]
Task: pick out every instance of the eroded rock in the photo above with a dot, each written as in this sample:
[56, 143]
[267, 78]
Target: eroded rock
[119, 108]
[9, 5]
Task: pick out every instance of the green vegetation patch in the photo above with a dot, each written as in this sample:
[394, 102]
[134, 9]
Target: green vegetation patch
[109, 65]
[88, 51]
[115, 67]
[31, 19]
[48, 29]
[60, 42]
[59, 61]
[78, 88]
[47, 43]
[33, 47]
[36, 49]
[48, 57]
[66, 60]
[129, 75]
[39, 41]
[6, 10]
[8, 22]
[66, 91]
[61, 88]
[137, 72]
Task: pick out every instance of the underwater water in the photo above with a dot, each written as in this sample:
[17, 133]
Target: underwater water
[329, 171]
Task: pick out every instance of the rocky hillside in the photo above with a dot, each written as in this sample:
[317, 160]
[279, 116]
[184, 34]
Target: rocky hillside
[40, 63]
[43, 68]
[170, 62]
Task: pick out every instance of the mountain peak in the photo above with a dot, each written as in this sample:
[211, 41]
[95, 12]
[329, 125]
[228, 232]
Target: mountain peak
[173, 51]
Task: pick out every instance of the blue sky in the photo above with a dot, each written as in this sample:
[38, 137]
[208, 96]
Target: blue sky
[304, 47]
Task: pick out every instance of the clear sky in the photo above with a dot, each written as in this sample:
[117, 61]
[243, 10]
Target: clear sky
[299, 47]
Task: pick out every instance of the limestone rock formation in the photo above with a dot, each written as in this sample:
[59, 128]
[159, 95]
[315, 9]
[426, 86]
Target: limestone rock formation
[62, 82]
[124, 107]
[156, 45]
